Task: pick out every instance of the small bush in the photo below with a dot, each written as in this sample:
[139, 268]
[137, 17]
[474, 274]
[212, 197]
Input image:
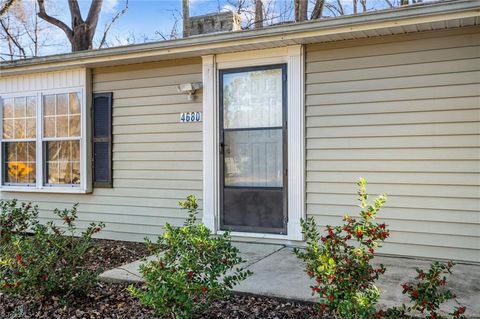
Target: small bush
[427, 294]
[47, 260]
[341, 264]
[15, 220]
[190, 269]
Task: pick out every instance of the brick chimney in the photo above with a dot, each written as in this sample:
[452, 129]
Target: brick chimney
[214, 22]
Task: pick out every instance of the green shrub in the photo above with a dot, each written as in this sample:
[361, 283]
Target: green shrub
[47, 260]
[341, 264]
[15, 219]
[426, 294]
[190, 268]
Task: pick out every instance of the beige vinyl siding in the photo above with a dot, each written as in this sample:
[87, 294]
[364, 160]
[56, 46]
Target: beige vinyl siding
[157, 161]
[404, 113]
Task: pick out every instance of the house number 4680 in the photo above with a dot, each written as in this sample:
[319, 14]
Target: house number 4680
[191, 117]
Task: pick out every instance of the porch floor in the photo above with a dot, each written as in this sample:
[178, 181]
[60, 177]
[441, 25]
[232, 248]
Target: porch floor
[278, 273]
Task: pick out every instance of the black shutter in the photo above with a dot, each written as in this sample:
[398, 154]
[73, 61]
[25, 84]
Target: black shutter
[102, 140]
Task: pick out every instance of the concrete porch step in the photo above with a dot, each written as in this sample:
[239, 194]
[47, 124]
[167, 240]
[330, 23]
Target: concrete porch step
[278, 273]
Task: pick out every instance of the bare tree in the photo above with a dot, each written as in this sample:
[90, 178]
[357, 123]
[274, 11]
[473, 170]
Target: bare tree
[273, 11]
[13, 42]
[81, 33]
[364, 5]
[318, 9]
[301, 9]
[5, 6]
[108, 26]
[186, 18]
[258, 14]
[407, 2]
[22, 33]
[389, 3]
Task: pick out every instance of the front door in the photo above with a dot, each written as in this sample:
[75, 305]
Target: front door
[253, 134]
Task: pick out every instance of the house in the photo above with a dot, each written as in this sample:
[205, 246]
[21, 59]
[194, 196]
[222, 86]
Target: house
[265, 126]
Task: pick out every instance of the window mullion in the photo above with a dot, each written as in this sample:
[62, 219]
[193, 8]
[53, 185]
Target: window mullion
[39, 144]
[1, 142]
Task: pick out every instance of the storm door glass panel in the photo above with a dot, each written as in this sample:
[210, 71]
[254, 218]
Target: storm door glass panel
[254, 158]
[253, 150]
[253, 99]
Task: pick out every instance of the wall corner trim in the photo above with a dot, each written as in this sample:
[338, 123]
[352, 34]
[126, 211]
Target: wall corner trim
[296, 140]
[210, 142]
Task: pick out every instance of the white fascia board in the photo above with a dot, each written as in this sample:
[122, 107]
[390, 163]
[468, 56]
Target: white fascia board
[214, 43]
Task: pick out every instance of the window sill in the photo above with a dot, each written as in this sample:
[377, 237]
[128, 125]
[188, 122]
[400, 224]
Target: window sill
[60, 190]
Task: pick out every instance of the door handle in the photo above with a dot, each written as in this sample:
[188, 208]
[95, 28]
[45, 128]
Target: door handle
[223, 146]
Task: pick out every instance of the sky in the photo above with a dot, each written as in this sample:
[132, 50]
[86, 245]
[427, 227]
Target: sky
[146, 20]
[145, 17]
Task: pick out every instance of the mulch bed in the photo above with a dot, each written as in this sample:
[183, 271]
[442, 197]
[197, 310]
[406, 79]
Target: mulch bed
[113, 253]
[113, 301]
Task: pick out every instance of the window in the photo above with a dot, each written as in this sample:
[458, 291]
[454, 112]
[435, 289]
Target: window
[42, 140]
[61, 138]
[19, 136]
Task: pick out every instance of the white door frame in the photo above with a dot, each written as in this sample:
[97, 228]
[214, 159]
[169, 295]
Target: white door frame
[293, 56]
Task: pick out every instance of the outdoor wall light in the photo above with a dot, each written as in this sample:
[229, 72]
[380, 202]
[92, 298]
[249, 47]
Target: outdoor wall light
[189, 89]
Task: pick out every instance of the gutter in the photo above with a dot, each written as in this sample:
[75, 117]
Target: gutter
[403, 16]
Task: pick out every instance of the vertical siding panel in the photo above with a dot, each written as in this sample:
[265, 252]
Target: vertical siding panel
[42, 81]
[355, 128]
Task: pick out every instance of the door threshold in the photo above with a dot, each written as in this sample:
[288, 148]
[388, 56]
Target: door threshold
[255, 235]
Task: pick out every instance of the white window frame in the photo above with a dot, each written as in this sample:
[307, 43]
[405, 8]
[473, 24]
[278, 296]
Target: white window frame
[293, 56]
[41, 186]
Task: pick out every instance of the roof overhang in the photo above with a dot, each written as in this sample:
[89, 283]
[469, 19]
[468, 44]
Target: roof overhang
[416, 18]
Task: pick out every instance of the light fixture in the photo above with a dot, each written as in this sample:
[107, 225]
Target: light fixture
[189, 89]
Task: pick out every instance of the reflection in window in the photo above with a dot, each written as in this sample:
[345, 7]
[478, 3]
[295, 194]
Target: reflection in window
[63, 162]
[19, 165]
[253, 99]
[61, 115]
[19, 117]
[61, 133]
[254, 158]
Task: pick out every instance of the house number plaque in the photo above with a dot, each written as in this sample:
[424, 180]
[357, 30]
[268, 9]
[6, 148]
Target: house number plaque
[191, 117]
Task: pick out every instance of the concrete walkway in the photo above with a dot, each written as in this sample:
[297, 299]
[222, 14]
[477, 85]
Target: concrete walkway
[278, 273]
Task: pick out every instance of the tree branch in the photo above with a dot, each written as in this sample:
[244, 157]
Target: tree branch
[186, 18]
[12, 38]
[75, 13]
[340, 8]
[389, 3]
[93, 14]
[258, 14]
[364, 5]
[6, 6]
[43, 14]
[317, 10]
[109, 26]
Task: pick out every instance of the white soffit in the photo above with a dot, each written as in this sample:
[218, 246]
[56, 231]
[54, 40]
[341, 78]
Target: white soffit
[408, 28]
